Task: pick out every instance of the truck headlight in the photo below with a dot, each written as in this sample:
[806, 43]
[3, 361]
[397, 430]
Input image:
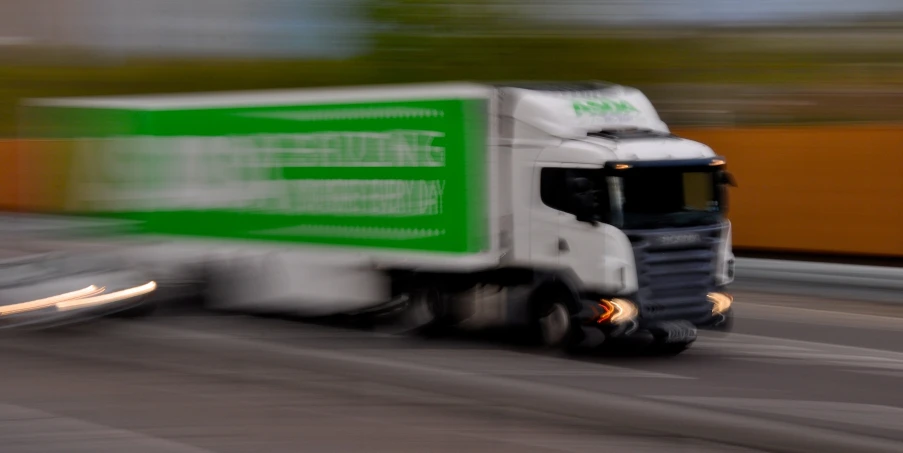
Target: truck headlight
[721, 302]
[616, 311]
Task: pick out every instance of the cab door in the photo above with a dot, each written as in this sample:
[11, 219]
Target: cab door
[558, 238]
[544, 219]
[582, 240]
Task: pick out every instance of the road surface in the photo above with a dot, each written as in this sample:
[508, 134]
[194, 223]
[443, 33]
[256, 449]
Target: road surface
[798, 374]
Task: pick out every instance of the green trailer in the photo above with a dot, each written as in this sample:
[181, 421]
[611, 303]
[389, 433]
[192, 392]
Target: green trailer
[387, 169]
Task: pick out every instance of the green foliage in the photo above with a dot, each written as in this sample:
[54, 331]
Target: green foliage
[433, 16]
[430, 40]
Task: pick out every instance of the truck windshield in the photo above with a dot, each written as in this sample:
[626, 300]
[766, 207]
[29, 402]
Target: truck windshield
[665, 197]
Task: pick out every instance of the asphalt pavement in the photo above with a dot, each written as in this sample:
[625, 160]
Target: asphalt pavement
[798, 374]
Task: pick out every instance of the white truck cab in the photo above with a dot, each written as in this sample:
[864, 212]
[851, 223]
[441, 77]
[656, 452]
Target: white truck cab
[620, 222]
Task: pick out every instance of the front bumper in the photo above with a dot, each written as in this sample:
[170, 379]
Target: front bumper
[642, 330]
[721, 322]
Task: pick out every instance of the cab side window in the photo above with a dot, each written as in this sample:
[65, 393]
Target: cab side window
[561, 188]
[552, 188]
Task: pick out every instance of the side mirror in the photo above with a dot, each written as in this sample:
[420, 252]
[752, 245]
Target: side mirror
[585, 212]
[585, 208]
[728, 178]
[584, 200]
[587, 216]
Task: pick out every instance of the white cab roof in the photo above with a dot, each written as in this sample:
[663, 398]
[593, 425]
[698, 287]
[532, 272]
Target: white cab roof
[574, 114]
[655, 149]
[597, 151]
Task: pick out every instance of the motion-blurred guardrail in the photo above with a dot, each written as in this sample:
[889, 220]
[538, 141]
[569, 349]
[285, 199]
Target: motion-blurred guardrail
[858, 282]
[876, 283]
[14, 224]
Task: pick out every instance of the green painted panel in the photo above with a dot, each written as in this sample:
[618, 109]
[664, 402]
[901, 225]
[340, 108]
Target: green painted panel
[402, 175]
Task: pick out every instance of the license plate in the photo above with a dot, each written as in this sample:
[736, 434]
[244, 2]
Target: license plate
[678, 332]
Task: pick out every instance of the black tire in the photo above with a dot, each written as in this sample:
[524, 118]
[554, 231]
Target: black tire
[552, 320]
[424, 315]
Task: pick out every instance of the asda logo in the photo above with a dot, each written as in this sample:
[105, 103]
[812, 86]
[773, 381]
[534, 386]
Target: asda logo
[603, 107]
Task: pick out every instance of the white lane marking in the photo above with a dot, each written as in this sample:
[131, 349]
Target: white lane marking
[655, 416]
[273, 329]
[513, 364]
[743, 346]
[819, 317]
[577, 442]
[482, 361]
[872, 415]
[755, 346]
[893, 374]
[28, 430]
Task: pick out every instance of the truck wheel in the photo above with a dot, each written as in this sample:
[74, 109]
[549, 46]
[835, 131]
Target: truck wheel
[552, 321]
[423, 314]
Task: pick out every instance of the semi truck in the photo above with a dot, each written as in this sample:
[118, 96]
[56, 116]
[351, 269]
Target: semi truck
[566, 208]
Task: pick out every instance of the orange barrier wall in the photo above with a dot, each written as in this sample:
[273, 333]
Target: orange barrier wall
[9, 174]
[828, 189]
[825, 189]
[34, 175]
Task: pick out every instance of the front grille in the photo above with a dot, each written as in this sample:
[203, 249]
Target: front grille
[675, 272]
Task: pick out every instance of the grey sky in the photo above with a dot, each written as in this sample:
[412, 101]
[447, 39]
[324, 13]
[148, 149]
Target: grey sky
[332, 28]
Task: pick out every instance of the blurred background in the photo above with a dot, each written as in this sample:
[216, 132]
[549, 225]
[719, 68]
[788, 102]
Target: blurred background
[791, 92]
[803, 97]
[717, 62]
